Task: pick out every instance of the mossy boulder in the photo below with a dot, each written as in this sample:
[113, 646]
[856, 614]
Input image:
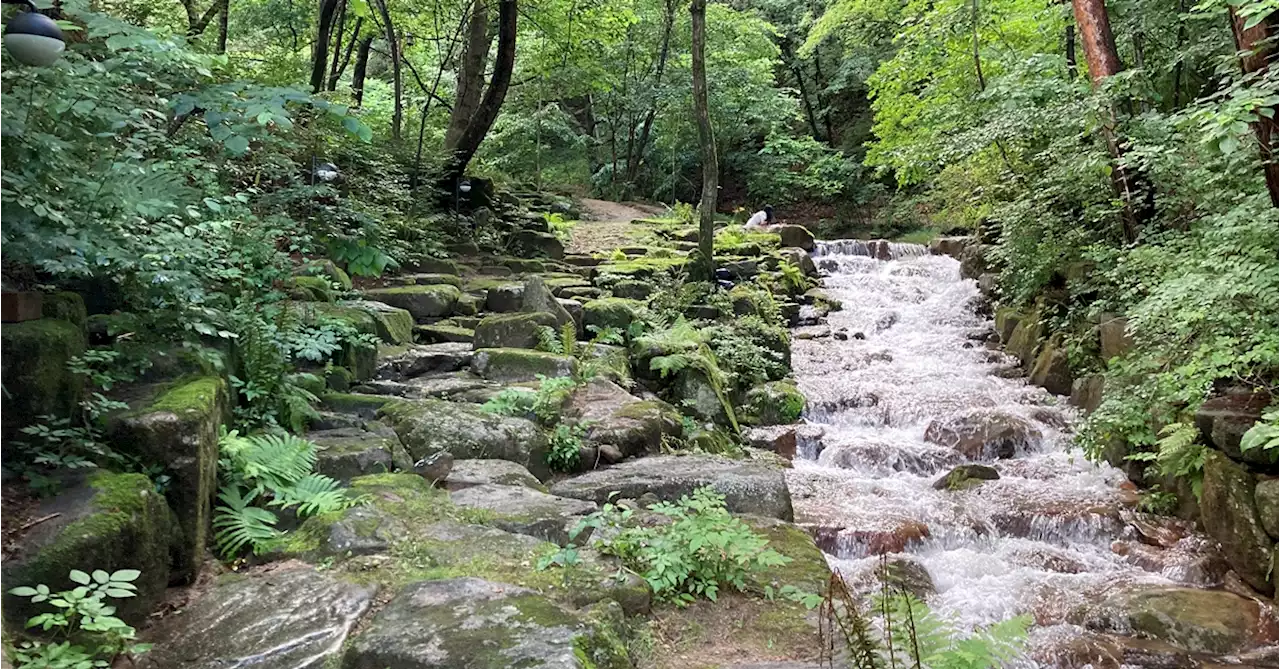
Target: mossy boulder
[610, 312]
[504, 298]
[436, 334]
[1230, 515]
[179, 430]
[426, 265]
[516, 330]
[427, 427]
[470, 622]
[478, 471]
[346, 453]
[1267, 498]
[307, 381]
[293, 616]
[108, 522]
[1224, 419]
[1203, 621]
[34, 358]
[633, 289]
[536, 297]
[431, 278]
[796, 236]
[702, 394]
[965, 477]
[749, 487]
[773, 403]
[65, 305]
[613, 417]
[524, 510]
[365, 406]
[517, 365]
[310, 289]
[532, 243]
[1023, 341]
[327, 269]
[393, 325]
[422, 302]
[808, 568]
[1051, 370]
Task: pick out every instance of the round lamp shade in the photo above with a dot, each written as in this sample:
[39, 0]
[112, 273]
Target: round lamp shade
[464, 187]
[327, 172]
[34, 39]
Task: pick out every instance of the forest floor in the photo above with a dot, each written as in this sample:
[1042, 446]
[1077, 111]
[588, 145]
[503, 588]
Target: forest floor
[606, 225]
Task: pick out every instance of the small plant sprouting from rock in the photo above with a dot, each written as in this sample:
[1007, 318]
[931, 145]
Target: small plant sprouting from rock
[81, 618]
[1265, 434]
[907, 635]
[268, 470]
[565, 451]
[702, 550]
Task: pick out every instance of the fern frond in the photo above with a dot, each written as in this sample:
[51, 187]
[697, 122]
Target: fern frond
[238, 523]
[667, 365]
[313, 494]
[275, 461]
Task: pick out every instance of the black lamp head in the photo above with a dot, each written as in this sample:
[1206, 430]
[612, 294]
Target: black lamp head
[34, 39]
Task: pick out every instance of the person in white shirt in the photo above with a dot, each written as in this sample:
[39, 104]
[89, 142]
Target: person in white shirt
[762, 218]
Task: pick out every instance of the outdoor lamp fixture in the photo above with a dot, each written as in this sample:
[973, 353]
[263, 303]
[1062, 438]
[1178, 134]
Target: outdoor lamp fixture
[33, 38]
[464, 187]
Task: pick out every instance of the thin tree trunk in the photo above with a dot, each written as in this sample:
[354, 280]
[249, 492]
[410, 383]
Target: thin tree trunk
[224, 13]
[320, 51]
[1071, 51]
[1259, 48]
[1177, 69]
[346, 57]
[819, 81]
[393, 44]
[1100, 53]
[789, 57]
[977, 58]
[337, 43]
[633, 169]
[706, 139]
[470, 75]
[469, 142]
[197, 22]
[361, 68]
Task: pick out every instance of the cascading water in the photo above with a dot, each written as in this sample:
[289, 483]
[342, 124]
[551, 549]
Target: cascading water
[1052, 537]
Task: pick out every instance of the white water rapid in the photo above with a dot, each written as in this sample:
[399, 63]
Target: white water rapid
[1054, 535]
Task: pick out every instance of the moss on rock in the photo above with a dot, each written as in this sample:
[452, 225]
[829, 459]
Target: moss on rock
[515, 365]
[774, 403]
[422, 302]
[66, 305]
[36, 379]
[514, 330]
[311, 289]
[610, 312]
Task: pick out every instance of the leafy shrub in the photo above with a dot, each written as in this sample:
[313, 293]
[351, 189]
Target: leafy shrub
[270, 470]
[701, 550]
[542, 405]
[564, 453]
[81, 617]
[1265, 434]
[800, 169]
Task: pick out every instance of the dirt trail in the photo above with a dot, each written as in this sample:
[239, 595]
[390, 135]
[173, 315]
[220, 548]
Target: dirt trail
[606, 225]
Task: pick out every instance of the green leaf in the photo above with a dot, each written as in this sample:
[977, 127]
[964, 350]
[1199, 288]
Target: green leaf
[80, 577]
[237, 144]
[125, 575]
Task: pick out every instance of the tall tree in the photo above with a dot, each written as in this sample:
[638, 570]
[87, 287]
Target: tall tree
[397, 82]
[224, 12]
[706, 139]
[475, 58]
[1257, 46]
[197, 21]
[1104, 61]
[320, 50]
[361, 70]
[341, 66]
[482, 120]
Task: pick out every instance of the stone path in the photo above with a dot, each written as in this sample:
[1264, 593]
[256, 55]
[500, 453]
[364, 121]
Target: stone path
[606, 225]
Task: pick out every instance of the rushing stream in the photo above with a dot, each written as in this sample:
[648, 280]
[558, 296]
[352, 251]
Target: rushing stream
[1052, 535]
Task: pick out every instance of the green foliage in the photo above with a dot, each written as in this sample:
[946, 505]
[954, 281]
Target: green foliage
[542, 405]
[92, 635]
[1265, 434]
[564, 451]
[360, 257]
[271, 470]
[750, 351]
[800, 169]
[908, 634]
[702, 549]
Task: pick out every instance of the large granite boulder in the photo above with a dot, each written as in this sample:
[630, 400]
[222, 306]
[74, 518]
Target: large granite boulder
[1208, 621]
[1230, 515]
[796, 236]
[33, 357]
[532, 243]
[1113, 336]
[610, 312]
[470, 622]
[419, 359]
[536, 297]
[1223, 420]
[429, 426]
[1051, 369]
[108, 522]
[504, 297]
[616, 418]
[286, 618]
[179, 429]
[749, 487]
[524, 510]
[479, 471]
[700, 392]
[393, 325]
[517, 330]
[984, 434]
[518, 365]
[345, 453]
[422, 302]
[1267, 498]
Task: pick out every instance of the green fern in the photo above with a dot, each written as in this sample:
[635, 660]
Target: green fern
[314, 494]
[267, 462]
[549, 341]
[669, 365]
[238, 523]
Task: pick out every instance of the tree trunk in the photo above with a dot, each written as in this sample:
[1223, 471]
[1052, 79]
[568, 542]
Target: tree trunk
[197, 22]
[337, 43]
[789, 57]
[361, 68]
[470, 75]
[320, 51]
[393, 45]
[706, 139]
[346, 57]
[1071, 50]
[469, 142]
[1259, 46]
[819, 83]
[224, 12]
[1131, 186]
[633, 168]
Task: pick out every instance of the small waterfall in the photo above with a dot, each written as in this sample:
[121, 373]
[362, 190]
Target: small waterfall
[1051, 535]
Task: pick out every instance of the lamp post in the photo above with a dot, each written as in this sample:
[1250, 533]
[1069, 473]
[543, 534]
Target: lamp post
[33, 38]
[464, 188]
